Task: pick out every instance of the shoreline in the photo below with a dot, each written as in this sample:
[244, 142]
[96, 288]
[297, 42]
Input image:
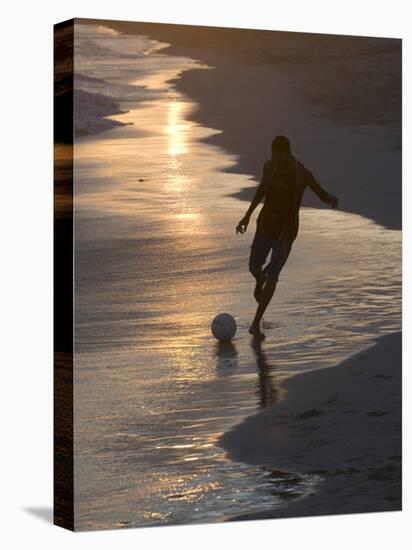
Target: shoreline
[342, 423]
[348, 137]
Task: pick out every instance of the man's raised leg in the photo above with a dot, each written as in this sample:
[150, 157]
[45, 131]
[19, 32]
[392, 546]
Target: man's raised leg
[260, 281]
[268, 291]
[258, 254]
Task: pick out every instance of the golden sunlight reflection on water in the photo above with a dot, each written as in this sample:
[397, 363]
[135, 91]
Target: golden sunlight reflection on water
[177, 129]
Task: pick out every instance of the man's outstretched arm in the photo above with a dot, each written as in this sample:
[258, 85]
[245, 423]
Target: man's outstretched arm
[258, 196]
[320, 192]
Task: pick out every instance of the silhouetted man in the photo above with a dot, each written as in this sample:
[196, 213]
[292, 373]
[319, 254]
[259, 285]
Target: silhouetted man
[282, 186]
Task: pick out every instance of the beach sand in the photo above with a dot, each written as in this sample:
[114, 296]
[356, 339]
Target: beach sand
[343, 423]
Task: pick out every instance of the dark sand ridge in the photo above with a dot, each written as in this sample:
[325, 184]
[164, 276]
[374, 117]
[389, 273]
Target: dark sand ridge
[343, 423]
[337, 97]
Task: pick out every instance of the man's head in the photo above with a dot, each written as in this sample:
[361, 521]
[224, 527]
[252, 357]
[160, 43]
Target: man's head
[281, 152]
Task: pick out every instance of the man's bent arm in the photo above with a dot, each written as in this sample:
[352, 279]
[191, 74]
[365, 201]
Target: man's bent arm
[318, 189]
[258, 196]
[256, 200]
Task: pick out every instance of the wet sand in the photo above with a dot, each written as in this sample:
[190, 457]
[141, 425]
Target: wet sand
[342, 423]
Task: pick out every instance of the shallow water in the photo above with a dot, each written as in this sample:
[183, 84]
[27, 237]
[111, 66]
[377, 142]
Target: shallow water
[156, 258]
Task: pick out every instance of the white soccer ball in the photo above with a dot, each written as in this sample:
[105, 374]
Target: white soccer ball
[223, 327]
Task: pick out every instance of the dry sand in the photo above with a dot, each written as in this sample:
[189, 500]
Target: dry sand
[343, 423]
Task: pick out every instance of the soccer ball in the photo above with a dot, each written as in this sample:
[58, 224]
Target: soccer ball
[223, 327]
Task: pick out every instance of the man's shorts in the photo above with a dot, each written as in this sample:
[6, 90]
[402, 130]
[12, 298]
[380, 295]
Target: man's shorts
[261, 246]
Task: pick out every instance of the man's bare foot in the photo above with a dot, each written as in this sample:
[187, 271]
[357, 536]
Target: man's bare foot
[257, 293]
[255, 331]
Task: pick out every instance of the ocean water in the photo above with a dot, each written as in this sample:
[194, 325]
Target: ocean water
[157, 258]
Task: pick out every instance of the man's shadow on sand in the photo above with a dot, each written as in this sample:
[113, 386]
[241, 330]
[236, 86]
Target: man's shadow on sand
[228, 361]
[267, 387]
